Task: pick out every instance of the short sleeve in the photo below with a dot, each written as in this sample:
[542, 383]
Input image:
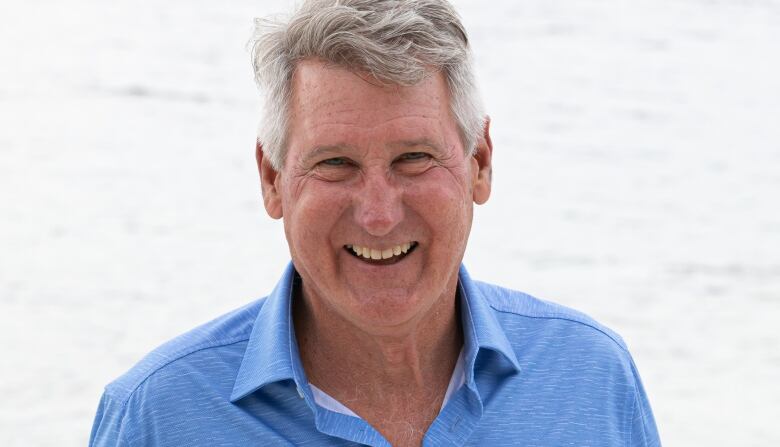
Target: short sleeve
[109, 426]
[643, 429]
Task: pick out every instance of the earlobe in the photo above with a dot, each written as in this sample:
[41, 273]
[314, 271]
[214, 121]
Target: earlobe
[269, 184]
[483, 164]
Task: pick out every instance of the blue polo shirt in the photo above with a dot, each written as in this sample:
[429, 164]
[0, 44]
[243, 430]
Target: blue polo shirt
[536, 374]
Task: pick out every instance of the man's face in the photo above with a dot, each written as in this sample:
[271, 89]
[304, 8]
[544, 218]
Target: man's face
[375, 172]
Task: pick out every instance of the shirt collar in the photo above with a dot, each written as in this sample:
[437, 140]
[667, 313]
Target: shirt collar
[272, 353]
[481, 329]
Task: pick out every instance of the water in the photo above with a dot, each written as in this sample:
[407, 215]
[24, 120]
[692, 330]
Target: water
[637, 177]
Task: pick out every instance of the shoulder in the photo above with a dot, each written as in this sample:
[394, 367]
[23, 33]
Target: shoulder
[557, 344]
[571, 366]
[200, 346]
[520, 314]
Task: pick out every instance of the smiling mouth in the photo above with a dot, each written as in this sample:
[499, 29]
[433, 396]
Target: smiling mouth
[378, 256]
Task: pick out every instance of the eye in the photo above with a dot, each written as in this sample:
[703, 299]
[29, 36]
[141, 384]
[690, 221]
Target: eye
[335, 162]
[413, 163]
[334, 169]
[413, 156]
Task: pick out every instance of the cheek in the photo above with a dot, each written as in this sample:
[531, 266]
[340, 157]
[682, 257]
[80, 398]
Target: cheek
[312, 210]
[442, 199]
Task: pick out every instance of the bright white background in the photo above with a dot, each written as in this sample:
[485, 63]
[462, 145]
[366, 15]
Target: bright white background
[637, 178]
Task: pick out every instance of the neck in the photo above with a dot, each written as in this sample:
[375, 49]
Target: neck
[354, 364]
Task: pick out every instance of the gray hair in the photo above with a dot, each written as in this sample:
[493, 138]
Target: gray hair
[395, 41]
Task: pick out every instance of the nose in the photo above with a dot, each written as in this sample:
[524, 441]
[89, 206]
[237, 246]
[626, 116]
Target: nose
[378, 204]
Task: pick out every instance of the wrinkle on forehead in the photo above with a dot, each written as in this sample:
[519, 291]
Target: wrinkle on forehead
[306, 78]
[356, 112]
[344, 121]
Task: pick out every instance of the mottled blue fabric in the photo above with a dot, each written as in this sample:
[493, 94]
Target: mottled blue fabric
[537, 374]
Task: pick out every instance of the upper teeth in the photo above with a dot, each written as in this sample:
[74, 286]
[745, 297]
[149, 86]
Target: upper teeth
[376, 253]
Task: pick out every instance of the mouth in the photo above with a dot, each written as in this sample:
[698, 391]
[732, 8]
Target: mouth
[381, 256]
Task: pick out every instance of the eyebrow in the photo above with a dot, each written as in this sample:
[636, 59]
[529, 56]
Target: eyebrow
[319, 151]
[414, 143]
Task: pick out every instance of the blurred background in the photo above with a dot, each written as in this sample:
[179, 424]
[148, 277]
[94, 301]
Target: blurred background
[637, 178]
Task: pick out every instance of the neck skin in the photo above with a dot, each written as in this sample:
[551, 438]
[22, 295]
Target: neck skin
[386, 370]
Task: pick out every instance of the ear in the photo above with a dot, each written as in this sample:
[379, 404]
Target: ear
[482, 173]
[269, 184]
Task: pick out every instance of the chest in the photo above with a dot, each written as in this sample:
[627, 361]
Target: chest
[403, 422]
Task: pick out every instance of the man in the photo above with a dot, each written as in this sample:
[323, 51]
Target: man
[373, 149]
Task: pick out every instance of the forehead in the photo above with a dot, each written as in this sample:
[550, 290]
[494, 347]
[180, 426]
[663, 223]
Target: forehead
[332, 102]
[315, 82]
